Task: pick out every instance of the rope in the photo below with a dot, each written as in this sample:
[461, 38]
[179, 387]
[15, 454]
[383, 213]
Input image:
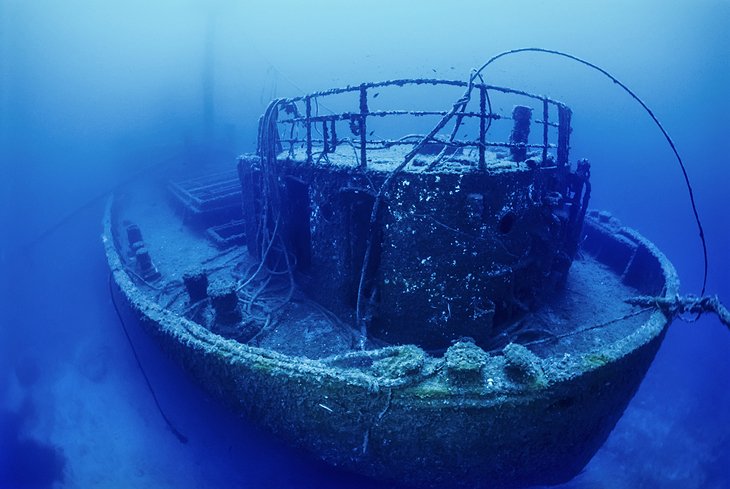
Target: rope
[270, 217]
[678, 306]
[181, 438]
[556, 337]
[268, 152]
[647, 109]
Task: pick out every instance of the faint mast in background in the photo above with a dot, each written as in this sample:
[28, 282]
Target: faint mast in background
[209, 87]
[212, 143]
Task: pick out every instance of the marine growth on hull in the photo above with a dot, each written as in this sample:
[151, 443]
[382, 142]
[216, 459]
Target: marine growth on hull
[357, 226]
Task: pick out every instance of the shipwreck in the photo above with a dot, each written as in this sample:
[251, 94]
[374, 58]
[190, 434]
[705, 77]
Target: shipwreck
[414, 294]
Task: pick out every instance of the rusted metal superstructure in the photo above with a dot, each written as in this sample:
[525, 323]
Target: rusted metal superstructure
[467, 234]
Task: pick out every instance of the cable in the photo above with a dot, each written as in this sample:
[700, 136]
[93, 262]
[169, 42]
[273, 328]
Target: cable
[646, 108]
[181, 438]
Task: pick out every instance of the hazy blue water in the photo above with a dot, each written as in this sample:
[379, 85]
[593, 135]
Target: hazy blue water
[90, 92]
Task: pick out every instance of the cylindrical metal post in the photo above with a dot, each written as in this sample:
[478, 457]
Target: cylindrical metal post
[308, 105]
[564, 115]
[520, 132]
[333, 132]
[545, 114]
[482, 127]
[363, 126]
[325, 137]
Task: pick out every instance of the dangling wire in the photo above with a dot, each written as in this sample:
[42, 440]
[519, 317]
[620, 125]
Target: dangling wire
[271, 213]
[181, 438]
[359, 313]
[459, 107]
[646, 108]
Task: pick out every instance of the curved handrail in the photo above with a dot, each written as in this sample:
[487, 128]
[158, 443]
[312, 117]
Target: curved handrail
[298, 114]
[400, 82]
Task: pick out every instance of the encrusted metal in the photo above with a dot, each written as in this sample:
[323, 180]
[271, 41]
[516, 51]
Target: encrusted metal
[302, 118]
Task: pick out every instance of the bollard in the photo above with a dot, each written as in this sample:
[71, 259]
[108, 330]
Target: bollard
[134, 235]
[465, 362]
[144, 264]
[225, 302]
[196, 284]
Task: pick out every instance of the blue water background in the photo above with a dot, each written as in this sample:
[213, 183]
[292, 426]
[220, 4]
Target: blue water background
[92, 92]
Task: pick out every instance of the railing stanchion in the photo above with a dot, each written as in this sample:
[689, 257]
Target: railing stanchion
[358, 124]
[308, 104]
[363, 125]
[564, 114]
[334, 136]
[482, 127]
[291, 137]
[545, 113]
[326, 138]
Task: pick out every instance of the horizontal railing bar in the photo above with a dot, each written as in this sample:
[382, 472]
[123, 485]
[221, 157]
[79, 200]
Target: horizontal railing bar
[383, 113]
[466, 144]
[551, 124]
[385, 143]
[420, 81]
[368, 91]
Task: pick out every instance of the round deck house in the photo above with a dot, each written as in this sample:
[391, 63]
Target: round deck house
[469, 233]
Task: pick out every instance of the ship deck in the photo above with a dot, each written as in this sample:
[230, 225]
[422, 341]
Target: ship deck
[588, 313]
[386, 159]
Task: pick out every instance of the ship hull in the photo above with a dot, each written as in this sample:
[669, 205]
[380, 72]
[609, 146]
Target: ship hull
[427, 428]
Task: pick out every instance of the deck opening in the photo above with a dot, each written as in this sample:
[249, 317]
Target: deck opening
[298, 211]
[357, 207]
[507, 222]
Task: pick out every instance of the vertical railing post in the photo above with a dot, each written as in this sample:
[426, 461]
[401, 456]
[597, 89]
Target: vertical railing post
[482, 127]
[308, 122]
[260, 134]
[291, 138]
[545, 114]
[334, 136]
[326, 137]
[564, 114]
[363, 125]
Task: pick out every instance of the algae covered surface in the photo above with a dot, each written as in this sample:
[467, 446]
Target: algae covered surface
[95, 97]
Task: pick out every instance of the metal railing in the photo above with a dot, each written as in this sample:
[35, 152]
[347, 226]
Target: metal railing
[298, 114]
